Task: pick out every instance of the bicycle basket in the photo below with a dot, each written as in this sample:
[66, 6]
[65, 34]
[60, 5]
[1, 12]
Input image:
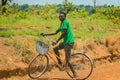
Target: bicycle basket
[41, 47]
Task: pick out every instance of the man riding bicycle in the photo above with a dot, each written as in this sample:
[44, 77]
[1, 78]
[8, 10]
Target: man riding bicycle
[68, 42]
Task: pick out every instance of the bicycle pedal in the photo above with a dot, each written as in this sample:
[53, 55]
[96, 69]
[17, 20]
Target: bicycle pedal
[61, 69]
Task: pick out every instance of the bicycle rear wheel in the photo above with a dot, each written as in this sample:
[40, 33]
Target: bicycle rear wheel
[38, 66]
[82, 64]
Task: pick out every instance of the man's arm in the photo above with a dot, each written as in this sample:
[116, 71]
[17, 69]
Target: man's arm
[53, 33]
[62, 35]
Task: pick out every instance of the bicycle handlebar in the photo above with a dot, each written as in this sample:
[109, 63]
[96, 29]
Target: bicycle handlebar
[45, 37]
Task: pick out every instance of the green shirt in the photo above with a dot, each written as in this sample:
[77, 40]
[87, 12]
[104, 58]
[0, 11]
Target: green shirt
[69, 37]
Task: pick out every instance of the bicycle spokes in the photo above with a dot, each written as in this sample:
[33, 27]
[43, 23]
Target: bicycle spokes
[82, 66]
[38, 66]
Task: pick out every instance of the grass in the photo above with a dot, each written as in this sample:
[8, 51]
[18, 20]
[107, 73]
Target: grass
[3, 59]
[7, 33]
[28, 32]
[24, 46]
[96, 28]
[19, 31]
[82, 27]
[7, 42]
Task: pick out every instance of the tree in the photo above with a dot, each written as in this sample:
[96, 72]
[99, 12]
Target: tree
[48, 11]
[68, 6]
[60, 8]
[94, 4]
[24, 7]
[3, 3]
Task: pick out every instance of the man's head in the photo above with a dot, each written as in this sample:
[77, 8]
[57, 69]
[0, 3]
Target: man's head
[62, 16]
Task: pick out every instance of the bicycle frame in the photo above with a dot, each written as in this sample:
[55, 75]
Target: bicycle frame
[50, 52]
[78, 57]
[60, 66]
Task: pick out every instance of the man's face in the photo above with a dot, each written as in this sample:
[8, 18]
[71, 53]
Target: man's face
[61, 17]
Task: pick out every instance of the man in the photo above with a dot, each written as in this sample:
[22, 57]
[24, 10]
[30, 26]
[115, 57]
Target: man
[68, 42]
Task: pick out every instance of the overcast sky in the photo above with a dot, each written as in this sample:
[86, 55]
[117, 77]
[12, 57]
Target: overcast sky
[78, 2]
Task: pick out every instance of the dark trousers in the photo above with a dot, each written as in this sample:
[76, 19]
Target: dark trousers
[67, 48]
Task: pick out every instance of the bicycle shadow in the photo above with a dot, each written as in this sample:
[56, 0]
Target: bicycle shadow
[53, 79]
[58, 79]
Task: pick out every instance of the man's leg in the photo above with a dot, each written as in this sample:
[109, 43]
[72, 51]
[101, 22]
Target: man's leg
[56, 50]
[68, 48]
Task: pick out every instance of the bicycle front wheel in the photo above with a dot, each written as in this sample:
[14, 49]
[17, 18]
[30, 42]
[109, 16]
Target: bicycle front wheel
[82, 65]
[38, 66]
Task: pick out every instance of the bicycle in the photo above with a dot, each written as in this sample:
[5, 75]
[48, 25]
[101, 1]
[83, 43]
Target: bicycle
[81, 63]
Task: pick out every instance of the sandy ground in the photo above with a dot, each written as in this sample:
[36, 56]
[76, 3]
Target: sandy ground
[8, 61]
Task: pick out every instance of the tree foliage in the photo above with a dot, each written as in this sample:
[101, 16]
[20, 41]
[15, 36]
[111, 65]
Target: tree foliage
[68, 6]
[79, 14]
[112, 13]
[48, 11]
[3, 3]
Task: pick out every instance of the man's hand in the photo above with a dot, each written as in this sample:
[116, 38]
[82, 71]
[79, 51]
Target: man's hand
[54, 43]
[42, 34]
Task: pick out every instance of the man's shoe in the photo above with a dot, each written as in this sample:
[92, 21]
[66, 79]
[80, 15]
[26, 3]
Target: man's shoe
[61, 67]
[75, 75]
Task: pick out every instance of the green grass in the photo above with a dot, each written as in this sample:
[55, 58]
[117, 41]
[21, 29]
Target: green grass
[7, 33]
[28, 32]
[20, 29]
[97, 28]
[33, 25]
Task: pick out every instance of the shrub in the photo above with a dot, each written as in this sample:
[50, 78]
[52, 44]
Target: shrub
[98, 16]
[20, 15]
[48, 11]
[78, 14]
[112, 13]
[6, 33]
[25, 47]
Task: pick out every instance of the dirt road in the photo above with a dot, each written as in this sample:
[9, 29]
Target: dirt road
[107, 66]
[106, 72]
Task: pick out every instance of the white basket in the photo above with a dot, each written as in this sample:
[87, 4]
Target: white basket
[41, 47]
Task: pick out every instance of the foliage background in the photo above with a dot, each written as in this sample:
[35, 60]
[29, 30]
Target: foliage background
[27, 21]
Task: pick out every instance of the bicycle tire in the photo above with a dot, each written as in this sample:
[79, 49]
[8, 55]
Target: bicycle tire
[82, 64]
[38, 66]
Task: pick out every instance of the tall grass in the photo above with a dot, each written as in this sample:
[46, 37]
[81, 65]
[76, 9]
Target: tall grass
[25, 47]
[82, 27]
[21, 31]
[96, 28]
[7, 33]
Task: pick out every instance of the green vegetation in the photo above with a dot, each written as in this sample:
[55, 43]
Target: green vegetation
[82, 27]
[29, 20]
[7, 33]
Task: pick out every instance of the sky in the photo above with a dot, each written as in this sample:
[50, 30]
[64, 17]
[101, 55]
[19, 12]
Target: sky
[76, 2]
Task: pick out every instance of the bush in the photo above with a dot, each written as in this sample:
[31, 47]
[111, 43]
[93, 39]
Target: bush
[8, 10]
[6, 33]
[21, 15]
[112, 13]
[98, 16]
[26, 31]
[25, 47]
[79, 14]
[48, 11]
